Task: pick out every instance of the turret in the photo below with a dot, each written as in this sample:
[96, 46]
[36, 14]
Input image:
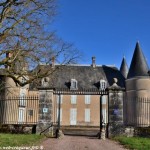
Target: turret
[137, 90]
[139, 66]
[124, 68]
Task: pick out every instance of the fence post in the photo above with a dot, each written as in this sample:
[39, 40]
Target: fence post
[115, 109]
[45, 110]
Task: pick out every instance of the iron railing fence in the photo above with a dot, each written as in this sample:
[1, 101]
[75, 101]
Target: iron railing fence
[19, 110]
[137, 112]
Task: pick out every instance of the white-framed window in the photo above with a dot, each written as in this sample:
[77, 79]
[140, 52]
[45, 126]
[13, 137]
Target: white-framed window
[22, 100]
[74, 84]
[73, 116]
[103, 84]
[61, 99]
[87, 115]
[21, 115]
[104, 99]
[87, 99]
[73, 99]
[23, 80]
[60, 114]
[45, 81]
[104, 115]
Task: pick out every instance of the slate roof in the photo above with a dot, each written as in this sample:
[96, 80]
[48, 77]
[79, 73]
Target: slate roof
[124, 68]
[139, 66]
[87, 77]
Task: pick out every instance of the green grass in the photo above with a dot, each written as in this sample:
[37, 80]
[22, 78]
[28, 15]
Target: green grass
[19, 139]
[136, 143]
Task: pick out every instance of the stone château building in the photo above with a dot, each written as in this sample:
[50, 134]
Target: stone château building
[88, 97]
[87, 94]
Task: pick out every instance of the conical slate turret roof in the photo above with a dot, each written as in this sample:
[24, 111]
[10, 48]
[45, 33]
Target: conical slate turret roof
[124, 68]
[139, 66]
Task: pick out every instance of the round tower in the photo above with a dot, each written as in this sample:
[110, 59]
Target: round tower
[138, 90]
[12, 88]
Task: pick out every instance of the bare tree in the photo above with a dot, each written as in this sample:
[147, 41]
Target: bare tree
[26, 40]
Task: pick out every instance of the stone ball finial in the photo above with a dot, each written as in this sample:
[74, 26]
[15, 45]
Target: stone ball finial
[115, 80]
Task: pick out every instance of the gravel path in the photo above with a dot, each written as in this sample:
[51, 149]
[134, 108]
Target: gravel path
[80, 143]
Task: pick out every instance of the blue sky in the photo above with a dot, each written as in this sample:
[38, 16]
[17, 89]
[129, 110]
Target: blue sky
[107, 29]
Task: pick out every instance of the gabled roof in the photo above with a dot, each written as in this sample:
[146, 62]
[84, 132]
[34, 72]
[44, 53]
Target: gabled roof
[124, 68]
[139, 66]
[88, 77]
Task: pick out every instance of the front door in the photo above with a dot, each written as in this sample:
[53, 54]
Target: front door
[73, 116]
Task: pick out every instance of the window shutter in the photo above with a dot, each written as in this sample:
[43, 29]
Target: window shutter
[73, 116]
[61, 99]
[87, 99]
[87, 115]
[73, 99]
[21, 115]
[104, 115]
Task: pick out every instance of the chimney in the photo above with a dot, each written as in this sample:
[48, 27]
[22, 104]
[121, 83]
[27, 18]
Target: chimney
[8, 56]
[93, 62]
[53, 61]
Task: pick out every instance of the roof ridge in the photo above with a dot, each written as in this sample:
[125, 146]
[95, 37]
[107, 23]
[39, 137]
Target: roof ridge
[89, 65]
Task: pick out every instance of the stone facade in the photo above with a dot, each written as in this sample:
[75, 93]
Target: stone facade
[79, 106]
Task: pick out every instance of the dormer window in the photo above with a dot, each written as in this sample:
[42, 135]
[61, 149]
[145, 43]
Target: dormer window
[103, 84]
[23, 80]
[45, 82]
[74, 84]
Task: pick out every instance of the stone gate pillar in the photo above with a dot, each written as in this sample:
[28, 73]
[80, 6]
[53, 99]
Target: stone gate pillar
[115, 109]
[45, 110]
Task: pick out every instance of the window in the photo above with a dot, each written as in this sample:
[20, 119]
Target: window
[73, 99]
[87, 115]
[87, 99]
[22, 101]
[102, 85]
[104, 118]
[21, 115]
[23, 80]
[74, 85]
[60, 114]
[30, 112]
[61, 99]
[104, 100]
[45, 81]
[73, 116]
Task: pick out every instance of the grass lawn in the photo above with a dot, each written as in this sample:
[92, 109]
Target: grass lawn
[19, 139]
[137, 143]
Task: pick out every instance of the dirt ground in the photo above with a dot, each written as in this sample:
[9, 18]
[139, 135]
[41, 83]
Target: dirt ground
[80, 143]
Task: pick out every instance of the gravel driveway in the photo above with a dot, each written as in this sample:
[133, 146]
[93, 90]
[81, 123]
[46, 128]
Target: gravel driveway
[80, 143]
